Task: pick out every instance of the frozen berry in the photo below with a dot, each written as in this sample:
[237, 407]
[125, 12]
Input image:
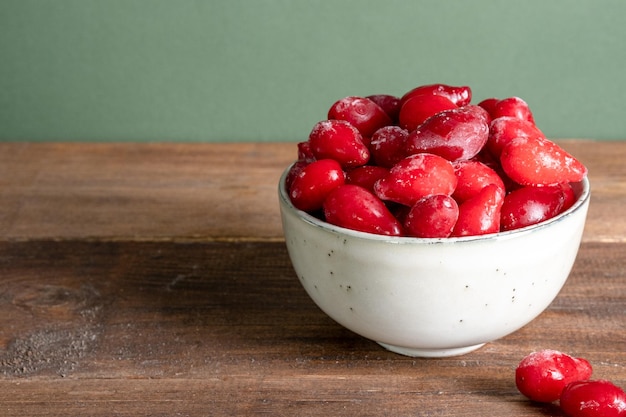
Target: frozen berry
[366, 176]
[457, 134]
[416, 177]
[390, 104]
[420, 107]
[361, 113]
[312, 182]
[530, 205]
[459, 95]
[354, 207]
[538, 161]
[597, 398]
[472, 177]
[542, 375]
[514, 107]
[504, 129]
[388, 145]
[432, 217]
[480, 214]
[338, 140]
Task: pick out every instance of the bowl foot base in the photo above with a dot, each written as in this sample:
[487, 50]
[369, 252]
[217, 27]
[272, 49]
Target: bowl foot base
[430, 353]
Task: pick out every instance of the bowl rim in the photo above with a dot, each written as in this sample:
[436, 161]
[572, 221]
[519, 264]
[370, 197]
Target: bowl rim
[285, 202]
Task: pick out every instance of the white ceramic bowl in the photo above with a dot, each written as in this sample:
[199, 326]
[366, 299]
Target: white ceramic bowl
[433, 297]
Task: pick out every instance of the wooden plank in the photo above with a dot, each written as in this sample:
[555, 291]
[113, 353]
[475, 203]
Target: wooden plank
[607, 175]
[224, 328]
[381, 393]
[151, 279]
[201, 191]
[143, 191]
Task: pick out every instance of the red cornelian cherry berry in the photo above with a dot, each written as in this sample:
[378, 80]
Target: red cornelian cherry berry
[593, 398]
[480, 112]
[457, 134]
[294, 171]
[504, 129]
[338, 140]
[514, 107]
[360, 112]
[313, 182]
[530, 205]
[472, 176]
[418, 108]
[489, 104]
[485, 157]
[387, 146]
[539, 161]
[366, 176]
[390, 104]
[480, 215]
[304, 152]
[459, 95]
[356, 208]
[432, 217]
[416, 177]
[431, 148]
[542, 375]
[569, 194]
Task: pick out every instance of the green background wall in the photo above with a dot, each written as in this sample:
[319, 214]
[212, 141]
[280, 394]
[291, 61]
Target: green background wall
[267, 70]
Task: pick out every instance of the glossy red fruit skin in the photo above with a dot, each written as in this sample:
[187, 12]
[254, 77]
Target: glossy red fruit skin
[593, 398]
[356, 208]
[294, 171]
[480, 215]
[387, 145]
[361, 113]
[432, 217]
[459, 95]
[513, 107]
[366, 176]
[480, 112]
[538, 161]
[304, 152]
[390, 104]
[418, 108]
[313, 182]
[504, 129]
[489, 104]
[541, 376]
[457, 134]
[485, 157]
[472, 176]
[416, 177]
[570, 195]
[338, 140]
[530, 205]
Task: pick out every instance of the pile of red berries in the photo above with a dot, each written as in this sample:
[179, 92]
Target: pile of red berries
[549, 375]
[430, 164]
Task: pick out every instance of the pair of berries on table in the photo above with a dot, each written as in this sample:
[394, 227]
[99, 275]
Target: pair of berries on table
[549, 375]
[431, 164]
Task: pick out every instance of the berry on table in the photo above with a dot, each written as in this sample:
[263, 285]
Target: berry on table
[598, 398]
[542, 375]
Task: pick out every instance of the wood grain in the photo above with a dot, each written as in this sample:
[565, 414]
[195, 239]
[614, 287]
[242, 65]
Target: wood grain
[152, 279]
[201, 191]
[225, 327]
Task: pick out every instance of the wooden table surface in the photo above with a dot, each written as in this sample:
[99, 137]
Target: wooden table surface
[152, 280]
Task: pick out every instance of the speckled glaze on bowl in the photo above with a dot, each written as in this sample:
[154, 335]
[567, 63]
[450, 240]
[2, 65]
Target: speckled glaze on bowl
[433, 297]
